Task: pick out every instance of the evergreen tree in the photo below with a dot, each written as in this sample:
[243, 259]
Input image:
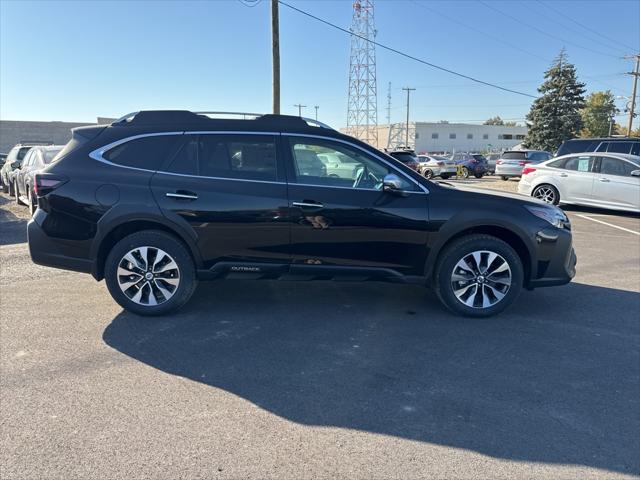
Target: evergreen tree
[555, 115]
[598, 112]
[494, 121]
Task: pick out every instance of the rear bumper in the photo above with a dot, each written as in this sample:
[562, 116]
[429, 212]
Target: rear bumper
[46, 251]
[556, 262]
[509, 170]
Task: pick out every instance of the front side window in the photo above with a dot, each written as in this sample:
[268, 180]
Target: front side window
[147, 153]
[579, 164]
[614, 166]
[363, 171]
[242, 157]
[619, 147]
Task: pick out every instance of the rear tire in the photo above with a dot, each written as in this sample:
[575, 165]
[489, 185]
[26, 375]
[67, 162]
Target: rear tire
[31, 202]
[465, 172]
[11, 189]
[5, 187]
[445, 176]
[478, 276]
[150, 273]
[502, 177]
[478, 175]
[428, 173]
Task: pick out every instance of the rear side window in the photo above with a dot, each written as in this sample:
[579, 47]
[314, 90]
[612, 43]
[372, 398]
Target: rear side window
[247, 157]
[577, 146]
[635, 148]
[538, 156]
[619, 147]
[147, 153]
[579, 164]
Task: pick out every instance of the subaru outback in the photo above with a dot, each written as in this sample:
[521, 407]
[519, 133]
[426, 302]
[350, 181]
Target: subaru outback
[159, 200]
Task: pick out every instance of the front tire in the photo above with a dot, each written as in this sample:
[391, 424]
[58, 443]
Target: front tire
[17, 193]
[547, 193]
[31, 202]
[428, 174]
[465, 172]
[445, 176]
[478, 175]
[478, 276]
[150, 273]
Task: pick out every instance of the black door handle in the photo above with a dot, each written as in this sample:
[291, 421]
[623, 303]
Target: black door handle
[308, 204]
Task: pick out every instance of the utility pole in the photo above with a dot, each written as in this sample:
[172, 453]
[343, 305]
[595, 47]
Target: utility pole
[389, 105]
[316, 107]
[275, 52]
[632, 109]
[300, 107]
[409, 90]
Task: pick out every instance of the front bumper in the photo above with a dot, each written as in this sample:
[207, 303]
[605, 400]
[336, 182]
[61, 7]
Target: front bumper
[47, 251]
[556, 259]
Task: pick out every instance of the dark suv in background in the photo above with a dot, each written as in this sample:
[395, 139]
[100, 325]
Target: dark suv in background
[630, 145]
[160, 199]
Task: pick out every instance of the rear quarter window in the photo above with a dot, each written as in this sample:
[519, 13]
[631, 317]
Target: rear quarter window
[147, 153]
[514, 155]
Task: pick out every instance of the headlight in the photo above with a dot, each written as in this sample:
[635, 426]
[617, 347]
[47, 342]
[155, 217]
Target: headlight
[553, 215]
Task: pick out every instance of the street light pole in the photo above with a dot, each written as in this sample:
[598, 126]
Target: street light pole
[409, 90]
[632, 109]
[316, 107]
[300, 107]
[275, 52]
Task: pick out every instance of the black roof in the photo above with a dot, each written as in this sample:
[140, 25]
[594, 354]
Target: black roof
[603, 139]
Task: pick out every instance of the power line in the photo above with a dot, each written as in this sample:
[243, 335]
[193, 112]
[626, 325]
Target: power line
[568, 42]
[616, 42]
[406, 55]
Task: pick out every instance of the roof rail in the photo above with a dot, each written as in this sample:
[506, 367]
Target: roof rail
[316, 123]
[243, 114]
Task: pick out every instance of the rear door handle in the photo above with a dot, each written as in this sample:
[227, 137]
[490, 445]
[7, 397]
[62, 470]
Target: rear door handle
[307, 205]
[564, 175]
[182, 195]
[604, 179]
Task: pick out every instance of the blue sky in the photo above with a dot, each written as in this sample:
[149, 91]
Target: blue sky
[75, 60]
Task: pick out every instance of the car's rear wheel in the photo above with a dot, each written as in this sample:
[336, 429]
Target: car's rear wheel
[31, 201]
[478, 175]
[11, 189]
[478, 276]
[546, 193]
[503, 177]
[427, 173]
[465, 172]
[150, 273]
[5, 187]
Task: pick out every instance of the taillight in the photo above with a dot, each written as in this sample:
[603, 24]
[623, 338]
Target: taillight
[528, 170]
[522, 163]
[46, 183]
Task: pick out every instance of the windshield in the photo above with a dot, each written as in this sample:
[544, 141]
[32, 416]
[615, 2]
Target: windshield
[50, 153]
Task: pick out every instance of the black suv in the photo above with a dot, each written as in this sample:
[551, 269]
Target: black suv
[161, 199]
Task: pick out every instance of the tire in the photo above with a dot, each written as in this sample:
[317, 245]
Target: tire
[31, 202]
[478, 175]
[427, 173]
[502, 177]
[496, 294]
[547, 193]
[11, 189]
[465, 172]
[5, 187]
[172, 288]
[445, 176]
[17, 193]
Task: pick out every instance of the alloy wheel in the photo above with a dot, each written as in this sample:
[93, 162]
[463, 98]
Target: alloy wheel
[546, 194]
[481, 279]
[148, 276]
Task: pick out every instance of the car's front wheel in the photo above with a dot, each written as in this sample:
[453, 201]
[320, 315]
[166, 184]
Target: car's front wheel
[150, 273]
[32, 203]
[17, 193]
[478, 175]
[546, 193]
[465, 172]
[478, 275]
[427, 173]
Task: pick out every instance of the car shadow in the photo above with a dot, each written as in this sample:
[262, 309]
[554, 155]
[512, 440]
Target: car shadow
[596, 210]
[554, 380]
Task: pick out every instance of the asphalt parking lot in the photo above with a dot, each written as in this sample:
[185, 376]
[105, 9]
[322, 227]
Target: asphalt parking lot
[310, 380]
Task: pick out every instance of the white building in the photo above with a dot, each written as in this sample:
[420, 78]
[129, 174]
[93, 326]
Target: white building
[433, 137]
[463, 137]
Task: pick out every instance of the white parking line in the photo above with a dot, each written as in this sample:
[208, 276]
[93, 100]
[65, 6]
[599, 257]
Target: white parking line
[608, 224]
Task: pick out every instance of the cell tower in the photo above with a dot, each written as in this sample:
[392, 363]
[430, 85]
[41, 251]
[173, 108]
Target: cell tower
[362, 112]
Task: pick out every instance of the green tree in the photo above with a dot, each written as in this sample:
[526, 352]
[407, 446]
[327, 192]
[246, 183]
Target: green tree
[555, 115]
[598, 111]
[510, 124]
[494, 121]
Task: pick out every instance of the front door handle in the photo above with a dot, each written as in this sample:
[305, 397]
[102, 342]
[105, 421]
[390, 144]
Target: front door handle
[182, 195]
[307, 205]
[564, 175]
[604, 179]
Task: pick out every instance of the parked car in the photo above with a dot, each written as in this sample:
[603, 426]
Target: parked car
[35, 160]
[472, 164]
[152, 203]
[407, 157]
[492, 158]
[606, 180]
[13, 162]
[338, 165]
[3, 158]
[436, 166]
[511, 162]
[630, 145]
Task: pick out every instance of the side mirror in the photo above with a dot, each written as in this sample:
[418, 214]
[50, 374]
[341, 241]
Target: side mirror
[635, 173]
[15, 165]
[392, 184]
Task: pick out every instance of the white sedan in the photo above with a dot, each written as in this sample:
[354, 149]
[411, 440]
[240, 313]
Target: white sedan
[605, 180]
